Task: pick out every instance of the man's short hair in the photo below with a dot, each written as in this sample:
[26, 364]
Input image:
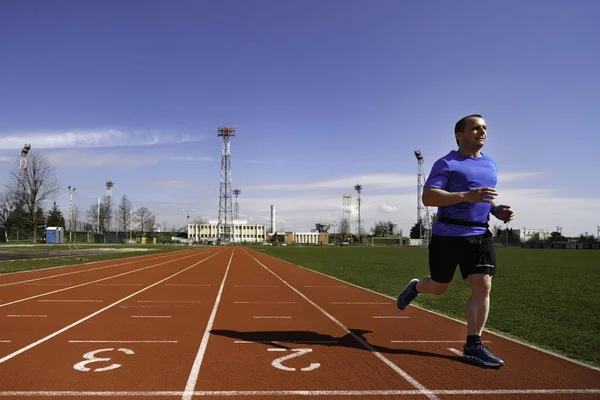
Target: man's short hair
[462, 124]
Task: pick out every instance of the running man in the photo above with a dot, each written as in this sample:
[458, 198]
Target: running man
[462, 186]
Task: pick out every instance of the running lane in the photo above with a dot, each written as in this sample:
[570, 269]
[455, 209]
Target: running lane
[268, 337]
[427, 346]
[28, 327]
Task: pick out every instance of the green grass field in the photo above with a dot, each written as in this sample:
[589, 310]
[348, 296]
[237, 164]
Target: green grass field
[548, 298]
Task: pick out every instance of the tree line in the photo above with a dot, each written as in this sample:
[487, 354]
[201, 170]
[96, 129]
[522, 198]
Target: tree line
[24, 198]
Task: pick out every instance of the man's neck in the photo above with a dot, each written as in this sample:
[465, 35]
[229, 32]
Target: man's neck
[469, 152]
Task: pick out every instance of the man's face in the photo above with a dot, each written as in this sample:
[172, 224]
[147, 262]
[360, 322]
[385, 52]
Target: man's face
[474, 134]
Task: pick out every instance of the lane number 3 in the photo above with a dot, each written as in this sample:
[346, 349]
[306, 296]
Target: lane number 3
[278, 362]
[91, 358]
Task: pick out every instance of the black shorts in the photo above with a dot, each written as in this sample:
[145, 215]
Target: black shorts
[474, 255]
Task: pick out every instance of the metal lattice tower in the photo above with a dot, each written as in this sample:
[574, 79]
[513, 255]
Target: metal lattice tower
[236, 210]
[225, 222]
[359, 221]
[347, 212]
[422, 211]
[23, 167]
[109, 186]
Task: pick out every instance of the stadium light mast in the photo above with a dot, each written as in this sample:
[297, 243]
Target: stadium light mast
[71, 190]
[358, 189]
[109, 186]
[422, 210]
[23, 160]
[236, 211]
[225, 230]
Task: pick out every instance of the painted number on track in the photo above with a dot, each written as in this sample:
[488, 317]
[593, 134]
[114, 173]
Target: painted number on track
[91, 358]
[278, 362]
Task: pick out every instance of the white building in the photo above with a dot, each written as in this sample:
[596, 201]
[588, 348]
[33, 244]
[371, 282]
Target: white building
[243, 231]
[527, 234]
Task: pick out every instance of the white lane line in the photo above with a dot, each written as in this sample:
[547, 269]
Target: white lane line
[4, 341]
[271, 317]
[265, 393]
[134, 258]
[357, 302]
[388, 317]
[26, 316]
[32, 345]
[187, 285]
[150, 316]
[47, 284]
[264, 302]
[193, 378]
[70, 301]
[169, 301]
[455, 351]
[285, 341]
[366, 345]
[98, 280]
[123, 341]
[326, 286]
[433, 341]
[118, 284]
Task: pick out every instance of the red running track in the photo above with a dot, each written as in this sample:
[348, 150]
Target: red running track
[235, 323]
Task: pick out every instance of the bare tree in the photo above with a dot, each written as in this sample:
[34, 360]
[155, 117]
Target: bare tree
[344, 228]
[8, 205]
[124, 213]
[92, 215]
[32, 186]
[76, 214]
[145, 219]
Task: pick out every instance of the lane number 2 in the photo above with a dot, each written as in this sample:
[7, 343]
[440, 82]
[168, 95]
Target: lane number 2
[278, 362]
[91, 358]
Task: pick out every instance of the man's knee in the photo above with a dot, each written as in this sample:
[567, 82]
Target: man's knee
[439, 288]
[481, 284]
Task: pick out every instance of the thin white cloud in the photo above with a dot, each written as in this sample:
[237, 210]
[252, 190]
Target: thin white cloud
[372, 181]
[386, 208]
[92, 139]
[375, 182]
[192, 159]
[173, 183]
[7, 159]
[96, 160]
[91, 159]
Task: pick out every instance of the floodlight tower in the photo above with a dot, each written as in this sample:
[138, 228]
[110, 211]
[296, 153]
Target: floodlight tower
[236, 211]
[346, 214]
[71, 190]
[358, 189]
[422, 211]
[109, 186]
[23, 165]
[225, 230]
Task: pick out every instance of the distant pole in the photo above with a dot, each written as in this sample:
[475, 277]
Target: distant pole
[358, 189]
[71, 190]
[187, 226]
[109, 186]
[98, 219]
[598, 234]
[236, 208]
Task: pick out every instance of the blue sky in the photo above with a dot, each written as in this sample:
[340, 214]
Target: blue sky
[323, 95]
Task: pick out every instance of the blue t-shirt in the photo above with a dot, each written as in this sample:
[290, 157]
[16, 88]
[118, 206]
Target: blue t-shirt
[457, 173]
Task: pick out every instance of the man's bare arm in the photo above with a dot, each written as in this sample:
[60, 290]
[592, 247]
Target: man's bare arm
[433, 197]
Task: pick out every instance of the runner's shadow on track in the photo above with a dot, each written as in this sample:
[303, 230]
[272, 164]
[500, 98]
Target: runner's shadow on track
[350, 340]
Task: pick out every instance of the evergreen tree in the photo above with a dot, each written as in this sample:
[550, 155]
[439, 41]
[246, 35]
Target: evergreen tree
[55, 217]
